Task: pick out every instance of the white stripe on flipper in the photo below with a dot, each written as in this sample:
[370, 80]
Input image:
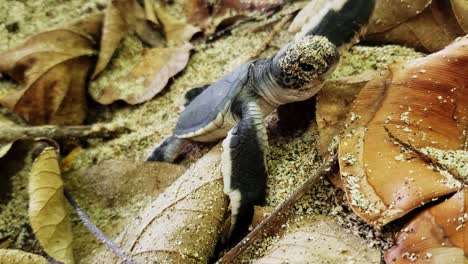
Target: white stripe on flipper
[226, 164]
[235, 197]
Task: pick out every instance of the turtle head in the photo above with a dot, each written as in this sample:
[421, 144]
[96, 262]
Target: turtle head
[304, 63]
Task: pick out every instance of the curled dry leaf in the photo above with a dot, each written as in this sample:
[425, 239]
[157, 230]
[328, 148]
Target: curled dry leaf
[333, 103]
[436, 235]
[113, 182]
[113, 29]
[316, 240]
[423, 103]
[182, 225]
[147, 78]
[13, 256]
[120, 18]
[460, 9]
[432, 30]
[390, 13]
[52, 67]
[47, 211]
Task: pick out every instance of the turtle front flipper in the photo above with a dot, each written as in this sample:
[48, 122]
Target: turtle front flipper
[244, 166]
[168, 150]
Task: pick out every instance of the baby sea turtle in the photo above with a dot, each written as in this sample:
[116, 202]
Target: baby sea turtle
[236, 105]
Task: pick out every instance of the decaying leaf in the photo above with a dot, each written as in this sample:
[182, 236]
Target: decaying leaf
[182, 225]
[52, 67]
[423, 103]
[147, 78]
[333, 103]
[47, 211]
[390, 13]
[460, 9]
[113, 182]
[433, 29]
[113, 30]
[13, 256]
[319, 240]
[176, 31]
[436, 235]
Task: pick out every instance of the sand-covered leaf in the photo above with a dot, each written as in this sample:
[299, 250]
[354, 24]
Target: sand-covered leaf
[390, 13]
[13, 256]
[436, 235]
[114, 182]
[147, 78]
[182, 224]
[460, 9]
[422, 103]
[433, 29]
[48, 214]
[52, 68]
[333, 103]
[319, 240]
[176, 31]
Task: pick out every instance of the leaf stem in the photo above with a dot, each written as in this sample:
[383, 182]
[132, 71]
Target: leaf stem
[96, 231]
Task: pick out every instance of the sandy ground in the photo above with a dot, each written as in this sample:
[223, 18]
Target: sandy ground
[292, 156]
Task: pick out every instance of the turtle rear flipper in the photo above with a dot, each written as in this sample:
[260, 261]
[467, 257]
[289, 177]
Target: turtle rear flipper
[244, 167]
[168, 150]
[191, 94]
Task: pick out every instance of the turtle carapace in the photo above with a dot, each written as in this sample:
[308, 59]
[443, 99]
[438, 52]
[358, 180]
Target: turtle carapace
[234, 108]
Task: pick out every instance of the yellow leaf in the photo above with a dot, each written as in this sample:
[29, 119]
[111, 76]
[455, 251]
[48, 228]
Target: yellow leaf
[13, 256]
[47, 212]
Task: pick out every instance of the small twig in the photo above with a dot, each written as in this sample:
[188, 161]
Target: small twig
[96, 231]
[12, 133]
[270, 225]
[276, 29]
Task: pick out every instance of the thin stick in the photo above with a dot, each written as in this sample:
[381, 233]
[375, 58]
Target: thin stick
[269, 226]
[14, 132]
[96, 231]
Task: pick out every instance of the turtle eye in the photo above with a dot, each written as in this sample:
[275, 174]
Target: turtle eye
[306, 67]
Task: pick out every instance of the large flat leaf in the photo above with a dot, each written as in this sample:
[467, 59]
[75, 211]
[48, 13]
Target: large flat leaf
[183, 224]
[319, 240]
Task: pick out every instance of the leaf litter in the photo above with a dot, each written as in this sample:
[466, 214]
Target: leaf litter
[156, 118]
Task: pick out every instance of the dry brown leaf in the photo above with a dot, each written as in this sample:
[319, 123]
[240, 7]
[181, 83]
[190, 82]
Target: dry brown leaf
[47, 211]
[422, 102]
[182, 225]
[319, 240]
[432, 30]
[113, 182]
[52, 67]
[113, 29]
[436, 235]
[147, 78]
[176, 31]
[460, 9]
[333, 103]
[13, 256]
[197, 12]
[390, 13]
